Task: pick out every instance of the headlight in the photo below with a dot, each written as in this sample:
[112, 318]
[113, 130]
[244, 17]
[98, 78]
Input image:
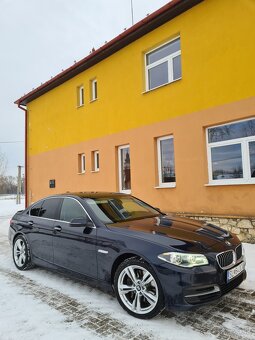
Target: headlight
[184, 259]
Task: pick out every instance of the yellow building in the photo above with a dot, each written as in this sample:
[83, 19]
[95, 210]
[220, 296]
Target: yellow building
[166, 111]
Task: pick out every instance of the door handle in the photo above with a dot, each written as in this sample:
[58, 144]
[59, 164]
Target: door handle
[57, 228]
[31, 223]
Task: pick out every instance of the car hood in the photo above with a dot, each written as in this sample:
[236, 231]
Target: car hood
[177, 232]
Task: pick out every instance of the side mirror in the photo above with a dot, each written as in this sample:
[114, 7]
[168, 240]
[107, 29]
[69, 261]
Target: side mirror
[81, 222]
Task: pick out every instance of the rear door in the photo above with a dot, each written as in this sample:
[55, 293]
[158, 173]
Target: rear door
[42, 218]
[74, 247]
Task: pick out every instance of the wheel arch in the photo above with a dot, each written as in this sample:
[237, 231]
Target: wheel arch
[121, 258]
[19, 233]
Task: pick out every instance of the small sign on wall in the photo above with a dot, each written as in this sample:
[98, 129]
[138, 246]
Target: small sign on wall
[52, 183]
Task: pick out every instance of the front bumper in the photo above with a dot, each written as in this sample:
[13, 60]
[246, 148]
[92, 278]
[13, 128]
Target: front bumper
[187, 288]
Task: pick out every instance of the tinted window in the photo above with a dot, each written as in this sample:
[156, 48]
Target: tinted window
[34, 211]
[50, 208]
[71, 209]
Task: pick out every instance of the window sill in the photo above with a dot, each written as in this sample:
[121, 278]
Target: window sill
[128, 192]
[81, 173]
[93, 100]
[222, 184]
[163, 85]
[166, 186]
[79, 106]
[93, 171]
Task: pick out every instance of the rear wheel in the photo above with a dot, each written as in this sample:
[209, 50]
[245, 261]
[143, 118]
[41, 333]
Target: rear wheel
[21, 255]
[138, 289]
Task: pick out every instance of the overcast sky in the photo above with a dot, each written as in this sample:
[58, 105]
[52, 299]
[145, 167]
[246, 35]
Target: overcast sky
[39, 38]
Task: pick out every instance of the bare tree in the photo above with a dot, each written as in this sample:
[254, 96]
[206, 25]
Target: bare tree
[3, 164]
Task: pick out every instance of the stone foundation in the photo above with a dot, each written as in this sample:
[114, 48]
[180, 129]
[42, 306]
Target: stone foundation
[243, 227]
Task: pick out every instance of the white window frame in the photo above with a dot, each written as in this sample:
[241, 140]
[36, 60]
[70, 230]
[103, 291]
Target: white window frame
[94, 93]
[81, 95]
[161, 183]
[168, 59]
[128, 191]
[82, 163]
[96, 165]
[244, 142]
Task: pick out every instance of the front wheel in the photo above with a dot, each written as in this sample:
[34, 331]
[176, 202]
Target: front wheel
[20, 252]
[138, 289]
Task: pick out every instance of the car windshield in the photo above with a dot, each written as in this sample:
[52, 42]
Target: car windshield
[120, 208]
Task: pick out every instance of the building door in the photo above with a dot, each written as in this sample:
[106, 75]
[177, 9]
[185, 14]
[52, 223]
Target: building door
[124, 169]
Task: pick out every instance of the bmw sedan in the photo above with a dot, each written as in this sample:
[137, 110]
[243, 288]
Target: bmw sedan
[117, 242]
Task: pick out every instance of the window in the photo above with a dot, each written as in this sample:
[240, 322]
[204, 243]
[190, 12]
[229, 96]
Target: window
[81, 163]
[124, 169]
[163, 65]
[119, 208]
[71, 209]
[95, 160]
[93, 89]
[35, 210]
[50, 208]
[231, 153]
[80, 96]
[166, 166]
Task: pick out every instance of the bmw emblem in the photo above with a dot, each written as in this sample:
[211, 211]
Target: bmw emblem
[227, 243]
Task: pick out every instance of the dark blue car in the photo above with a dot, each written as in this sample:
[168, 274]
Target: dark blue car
[116, 241]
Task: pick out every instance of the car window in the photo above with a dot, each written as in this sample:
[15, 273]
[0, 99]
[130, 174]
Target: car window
[35, 210]
[71, 209]
[120, 208]
[50, 208]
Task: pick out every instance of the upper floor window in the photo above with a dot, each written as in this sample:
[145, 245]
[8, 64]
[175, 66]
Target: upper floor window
[231, 153]
[81, 163]
[163, 65]
[80, 96]
[166, 164]
[93, 89]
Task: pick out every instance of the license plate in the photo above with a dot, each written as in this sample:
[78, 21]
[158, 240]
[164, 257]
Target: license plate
[235, 271]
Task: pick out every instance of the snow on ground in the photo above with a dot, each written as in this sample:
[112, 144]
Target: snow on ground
[8, 205]
[24, 315]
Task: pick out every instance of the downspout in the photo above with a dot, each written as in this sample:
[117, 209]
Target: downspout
[26, 172]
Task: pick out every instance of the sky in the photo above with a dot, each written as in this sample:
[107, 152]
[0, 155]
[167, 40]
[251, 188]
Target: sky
[40, 38]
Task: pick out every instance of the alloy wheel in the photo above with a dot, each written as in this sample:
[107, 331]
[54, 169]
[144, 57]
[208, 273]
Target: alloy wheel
[138, 289]
[19, 252]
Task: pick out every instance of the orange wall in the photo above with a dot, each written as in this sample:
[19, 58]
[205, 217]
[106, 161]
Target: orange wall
[191, 193]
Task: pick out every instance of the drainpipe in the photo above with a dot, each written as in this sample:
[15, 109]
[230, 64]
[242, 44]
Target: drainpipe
[26, 172]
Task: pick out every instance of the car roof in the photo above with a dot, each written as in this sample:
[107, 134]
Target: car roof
[93, 194]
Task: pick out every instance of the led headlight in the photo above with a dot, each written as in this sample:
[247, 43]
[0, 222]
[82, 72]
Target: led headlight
[184, 259]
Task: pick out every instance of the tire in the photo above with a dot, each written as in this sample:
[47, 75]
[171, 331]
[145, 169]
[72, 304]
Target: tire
[21, 254]
[138, 289]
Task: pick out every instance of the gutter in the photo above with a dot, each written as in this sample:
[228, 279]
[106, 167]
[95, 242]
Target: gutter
[26, 172]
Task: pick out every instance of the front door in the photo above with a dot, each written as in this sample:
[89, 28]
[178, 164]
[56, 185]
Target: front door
[74, 247]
